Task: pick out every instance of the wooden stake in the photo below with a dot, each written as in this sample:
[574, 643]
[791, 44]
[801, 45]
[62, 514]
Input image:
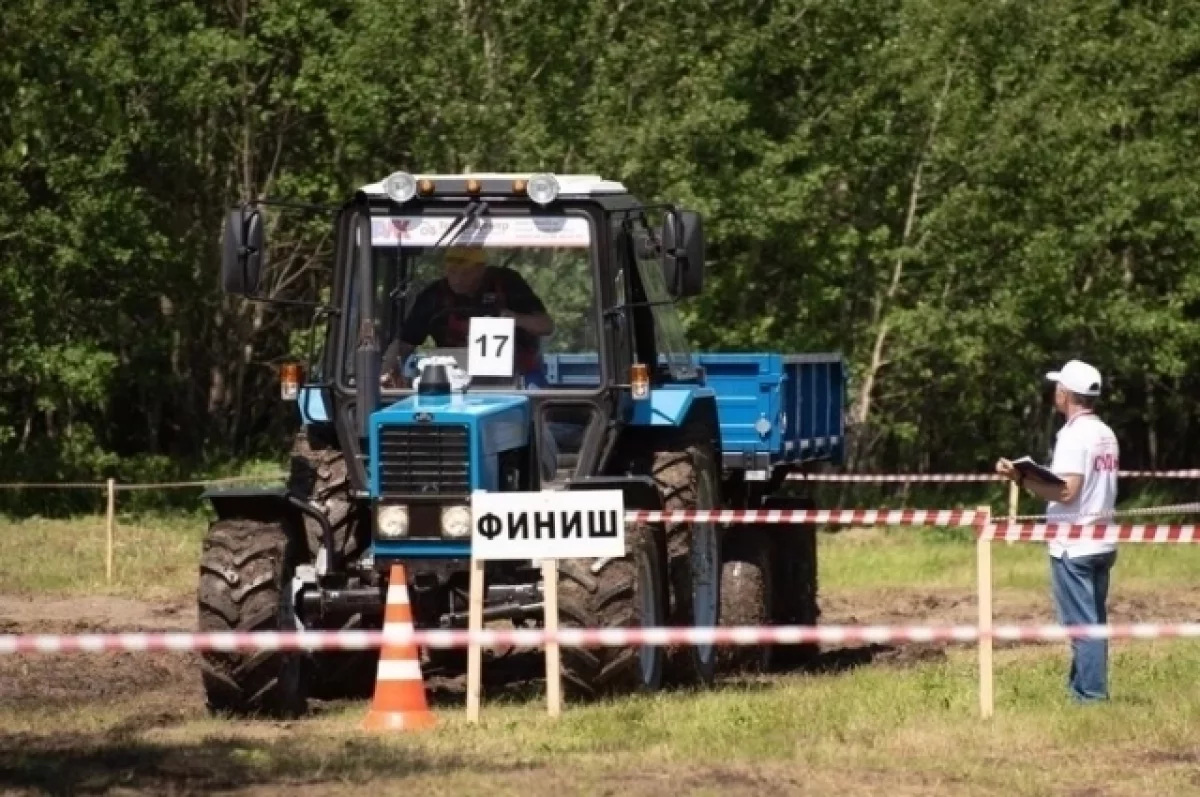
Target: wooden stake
[1014, 498]
[987, 700]
[110, 522]
[550, 604]
[474, 653]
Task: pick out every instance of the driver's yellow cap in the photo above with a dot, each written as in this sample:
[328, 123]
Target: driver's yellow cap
[466, 256]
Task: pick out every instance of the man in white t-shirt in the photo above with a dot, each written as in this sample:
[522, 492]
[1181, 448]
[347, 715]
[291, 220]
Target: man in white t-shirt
[1086, 456]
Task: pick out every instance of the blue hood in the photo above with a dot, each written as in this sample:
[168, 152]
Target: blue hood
[497, 422]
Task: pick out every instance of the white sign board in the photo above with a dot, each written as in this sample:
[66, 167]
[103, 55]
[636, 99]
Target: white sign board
[553, 524]
[491, 342]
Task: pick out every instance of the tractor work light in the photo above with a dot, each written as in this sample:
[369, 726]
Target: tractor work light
[542, 188]
[400, 186]
[289, 381]
[392, 521]
[456, 521]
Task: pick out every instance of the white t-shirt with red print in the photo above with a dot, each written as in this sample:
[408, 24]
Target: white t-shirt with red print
[1088, 447]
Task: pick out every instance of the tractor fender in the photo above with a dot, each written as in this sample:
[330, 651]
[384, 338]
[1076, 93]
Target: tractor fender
[267, 504]
[670, 406]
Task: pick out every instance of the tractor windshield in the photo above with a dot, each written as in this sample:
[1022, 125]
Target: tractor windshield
[536, 268]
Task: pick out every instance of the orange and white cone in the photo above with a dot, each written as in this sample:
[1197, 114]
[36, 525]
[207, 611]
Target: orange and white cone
[399, 702]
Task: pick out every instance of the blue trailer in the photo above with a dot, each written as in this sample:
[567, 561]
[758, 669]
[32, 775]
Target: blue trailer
[600, 391]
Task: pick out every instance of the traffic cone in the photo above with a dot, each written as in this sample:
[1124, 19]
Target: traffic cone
[399, 702]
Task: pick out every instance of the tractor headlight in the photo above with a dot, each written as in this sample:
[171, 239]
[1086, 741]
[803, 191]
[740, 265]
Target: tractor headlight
[400, 186]
[542, 188]
[392, 521]
[456, 521]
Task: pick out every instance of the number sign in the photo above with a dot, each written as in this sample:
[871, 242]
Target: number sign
[492, 341]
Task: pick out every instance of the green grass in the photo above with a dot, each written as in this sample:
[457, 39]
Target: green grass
[916, 728]
[154, 556]
[862, 558]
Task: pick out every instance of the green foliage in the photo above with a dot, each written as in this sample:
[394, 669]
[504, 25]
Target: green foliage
[958, 197]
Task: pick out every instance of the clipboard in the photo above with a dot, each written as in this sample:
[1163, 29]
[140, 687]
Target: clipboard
[1030, 469]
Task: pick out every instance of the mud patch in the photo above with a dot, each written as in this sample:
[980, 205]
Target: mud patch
[165, 681]
[1172, 757]
[22, 614]
[32, 682]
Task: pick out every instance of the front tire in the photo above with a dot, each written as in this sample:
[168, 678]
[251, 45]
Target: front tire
[629, 592]
[687, 479]
[246, 571]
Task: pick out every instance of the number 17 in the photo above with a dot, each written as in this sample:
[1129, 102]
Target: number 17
[483, 345]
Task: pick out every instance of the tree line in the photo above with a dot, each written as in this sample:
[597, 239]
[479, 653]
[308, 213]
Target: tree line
[958, 197]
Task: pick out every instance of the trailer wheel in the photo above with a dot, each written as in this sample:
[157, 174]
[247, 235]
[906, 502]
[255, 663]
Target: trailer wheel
[318, 472]
[796, 565]
[629, 592]
[687, 479]
[747, 595]
[246, 570]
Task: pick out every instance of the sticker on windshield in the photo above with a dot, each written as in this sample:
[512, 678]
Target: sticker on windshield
[405, 231]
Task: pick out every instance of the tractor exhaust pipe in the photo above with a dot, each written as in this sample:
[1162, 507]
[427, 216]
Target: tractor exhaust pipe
[367, 355]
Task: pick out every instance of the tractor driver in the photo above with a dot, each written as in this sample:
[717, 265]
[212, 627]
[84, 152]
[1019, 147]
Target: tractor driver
[470, 288]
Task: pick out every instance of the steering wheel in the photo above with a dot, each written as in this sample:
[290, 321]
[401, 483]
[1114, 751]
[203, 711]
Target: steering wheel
[408, 367]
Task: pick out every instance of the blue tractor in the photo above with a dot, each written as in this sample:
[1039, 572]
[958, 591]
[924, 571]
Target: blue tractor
[600, 391]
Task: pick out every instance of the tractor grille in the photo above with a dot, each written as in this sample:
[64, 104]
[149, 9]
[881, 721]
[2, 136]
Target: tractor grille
[424, 461]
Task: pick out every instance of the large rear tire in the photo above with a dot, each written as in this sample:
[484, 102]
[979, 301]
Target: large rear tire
[629, 592]
[318, 472]
[687, 478]
[747, 596]
[246, 571]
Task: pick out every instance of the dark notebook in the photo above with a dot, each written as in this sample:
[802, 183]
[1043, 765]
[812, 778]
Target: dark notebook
[1030, 469]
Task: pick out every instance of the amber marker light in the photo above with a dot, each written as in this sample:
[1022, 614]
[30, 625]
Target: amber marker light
[473, 186]
[289, 381]
[519, 186]
[425, 187]
[639, 379]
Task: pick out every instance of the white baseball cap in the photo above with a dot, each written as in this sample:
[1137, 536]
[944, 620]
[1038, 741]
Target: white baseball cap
[1077, 377]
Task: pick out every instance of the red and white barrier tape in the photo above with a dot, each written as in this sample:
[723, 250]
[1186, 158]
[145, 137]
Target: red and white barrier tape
[860, 517]
[1098, 532]
[1176, 509]
[948, 478]
[569, 637]
[886, 478]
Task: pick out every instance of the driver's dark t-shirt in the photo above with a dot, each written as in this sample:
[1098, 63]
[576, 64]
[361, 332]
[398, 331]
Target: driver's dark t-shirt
[500, 289]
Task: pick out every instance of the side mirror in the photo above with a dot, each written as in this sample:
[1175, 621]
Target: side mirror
[683, 253]
[242, 251]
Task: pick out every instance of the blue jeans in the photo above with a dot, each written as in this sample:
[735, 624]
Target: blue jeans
[1080, 597]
